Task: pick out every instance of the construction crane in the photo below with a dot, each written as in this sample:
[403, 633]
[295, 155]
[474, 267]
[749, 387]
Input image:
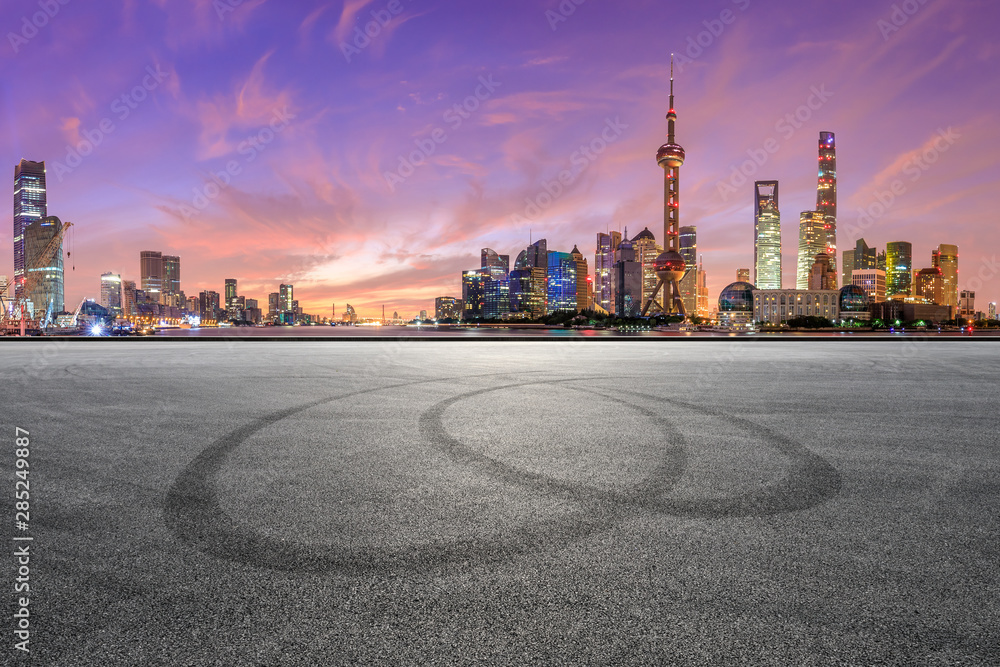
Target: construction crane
[14, 312]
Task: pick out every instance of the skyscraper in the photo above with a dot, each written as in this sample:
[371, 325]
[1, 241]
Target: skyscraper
[111, 292]
[742, 275]
[812, 242]
[628, 282]
[670, 265]
[496, 288]
[689, 283]
[30, 204]
[528, 291]
[847, 267]
[899, 267]
[230, 292]
[208, 302]
[864, 257]
[128, 298]
[47, 293]
[946, 259]
[171, 279]
[826, 194]
[151, 274]
[274, 305]
[646, 251]
[703, 306]
[561, 282]
[767, 236]
[286, 299]
[604, 264]
[929, 284]
[582, 282]
[498, 265]
[473, 293]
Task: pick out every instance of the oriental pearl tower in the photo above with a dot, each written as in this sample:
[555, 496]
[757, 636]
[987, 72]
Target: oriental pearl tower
[669, 265]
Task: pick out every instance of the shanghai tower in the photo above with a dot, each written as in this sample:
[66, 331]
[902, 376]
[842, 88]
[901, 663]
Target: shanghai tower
[670, 265]
[826, 193]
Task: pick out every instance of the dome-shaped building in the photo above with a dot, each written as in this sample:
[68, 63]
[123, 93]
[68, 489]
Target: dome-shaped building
[736, 306]
[854, 303]
[644, 234]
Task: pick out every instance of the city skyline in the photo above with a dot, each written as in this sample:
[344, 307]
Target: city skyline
[312, 205]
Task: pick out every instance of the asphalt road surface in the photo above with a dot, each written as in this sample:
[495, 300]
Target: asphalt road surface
[606, 503]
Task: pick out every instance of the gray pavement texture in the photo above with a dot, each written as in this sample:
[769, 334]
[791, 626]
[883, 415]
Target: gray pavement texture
[427, 503]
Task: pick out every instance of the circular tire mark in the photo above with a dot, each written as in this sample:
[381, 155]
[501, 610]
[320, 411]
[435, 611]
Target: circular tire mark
[194, 514]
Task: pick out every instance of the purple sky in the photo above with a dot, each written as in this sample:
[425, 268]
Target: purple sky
[310, 204]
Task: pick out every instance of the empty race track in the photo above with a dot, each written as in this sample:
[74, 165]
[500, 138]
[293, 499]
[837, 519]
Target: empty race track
[561, 502]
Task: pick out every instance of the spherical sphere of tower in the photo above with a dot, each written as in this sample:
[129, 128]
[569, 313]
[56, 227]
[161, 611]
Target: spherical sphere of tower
[670, 156]
[669, 266]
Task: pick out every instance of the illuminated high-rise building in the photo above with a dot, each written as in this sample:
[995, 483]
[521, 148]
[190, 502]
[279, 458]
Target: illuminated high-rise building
[286, 298]
[689, 283]
[562, 283]
[474, 293]
[498, 265]
[946, 259]
[767, 236]
[670, 265]
[899, 267]
[847, 266]
[171, 279]
[880, 261]
[208, 305]
[496, 289]
[704, 309]
[929, 284]
[230, 292]
[826, 195]
[151, 274]
[528, 292]
[864, 257]
[604, 264]
[742, 275]
[628, 282]
[582, 280]
[646, 251]
[273, 305]
[111, 292]
[47, 293]
[30, 205]
[812, 242]
[128, 298]
[445, 308]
